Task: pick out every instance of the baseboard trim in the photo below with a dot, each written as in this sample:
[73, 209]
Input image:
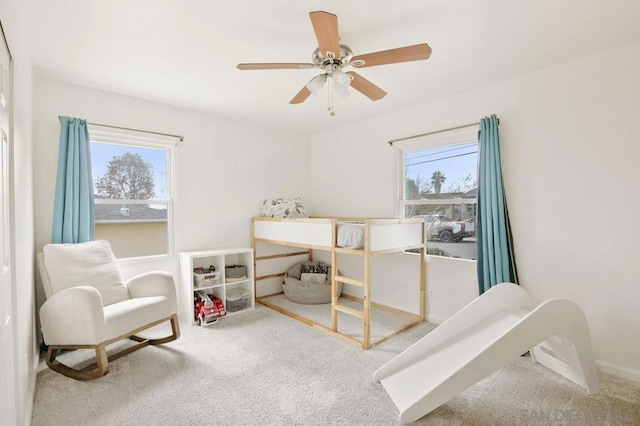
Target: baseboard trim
[616, 370]
[33, 378]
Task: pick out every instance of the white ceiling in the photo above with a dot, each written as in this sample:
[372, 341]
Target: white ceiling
[185, 52]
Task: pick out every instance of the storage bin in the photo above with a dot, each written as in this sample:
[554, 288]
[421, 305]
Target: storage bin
[235, 273]
[237, 299]
[206, 280]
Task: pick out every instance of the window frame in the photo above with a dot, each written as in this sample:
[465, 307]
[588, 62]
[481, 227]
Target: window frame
[430, 141]
[141, 139]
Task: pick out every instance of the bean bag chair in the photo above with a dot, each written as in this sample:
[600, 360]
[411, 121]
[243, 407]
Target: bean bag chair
[309, 283]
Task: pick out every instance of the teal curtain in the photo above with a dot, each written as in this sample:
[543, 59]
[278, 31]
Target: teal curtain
[73, 214]
[495, 258]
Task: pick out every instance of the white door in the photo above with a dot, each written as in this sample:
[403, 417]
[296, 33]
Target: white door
[7, 349]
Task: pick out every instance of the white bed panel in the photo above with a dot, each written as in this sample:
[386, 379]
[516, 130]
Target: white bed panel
[298, 232]
[386, 236]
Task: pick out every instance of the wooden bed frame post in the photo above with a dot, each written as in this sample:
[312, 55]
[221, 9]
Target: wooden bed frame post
[253, 246]
[334, 268]
[367, 285]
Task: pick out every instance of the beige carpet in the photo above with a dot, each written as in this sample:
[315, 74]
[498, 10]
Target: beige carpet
[262, 368]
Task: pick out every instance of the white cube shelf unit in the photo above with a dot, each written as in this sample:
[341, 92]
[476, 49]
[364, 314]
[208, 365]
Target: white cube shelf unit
[220, 258]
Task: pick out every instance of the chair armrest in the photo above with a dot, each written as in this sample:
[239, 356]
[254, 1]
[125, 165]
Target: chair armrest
[155, 283]
[73, 317]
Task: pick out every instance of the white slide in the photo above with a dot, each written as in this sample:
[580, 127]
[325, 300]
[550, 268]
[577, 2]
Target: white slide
[493, 330]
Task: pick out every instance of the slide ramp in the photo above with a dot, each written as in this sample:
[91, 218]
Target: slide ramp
[490, 332]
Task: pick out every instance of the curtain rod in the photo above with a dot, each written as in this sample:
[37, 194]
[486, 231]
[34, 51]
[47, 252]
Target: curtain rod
[435, 132]
[138, 130]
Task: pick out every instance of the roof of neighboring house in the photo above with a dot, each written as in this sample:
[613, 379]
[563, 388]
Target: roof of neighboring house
[137, 212]
[472, 193]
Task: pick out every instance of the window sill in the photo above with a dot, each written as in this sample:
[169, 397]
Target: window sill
[147, 259]
[442, 259]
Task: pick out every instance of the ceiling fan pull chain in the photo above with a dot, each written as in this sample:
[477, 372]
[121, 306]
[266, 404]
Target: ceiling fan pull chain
[330, 81]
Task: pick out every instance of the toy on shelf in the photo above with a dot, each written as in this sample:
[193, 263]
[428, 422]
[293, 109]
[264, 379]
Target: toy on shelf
[201, 270]
[207, 308]
[205, 277]
[218, 303]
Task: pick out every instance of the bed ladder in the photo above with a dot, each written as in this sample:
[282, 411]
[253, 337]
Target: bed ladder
[365, 313]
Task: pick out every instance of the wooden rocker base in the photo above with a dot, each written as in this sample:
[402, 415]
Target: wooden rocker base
[101, 366]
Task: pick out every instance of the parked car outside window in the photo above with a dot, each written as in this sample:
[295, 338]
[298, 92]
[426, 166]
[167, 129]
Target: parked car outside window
[442, 228]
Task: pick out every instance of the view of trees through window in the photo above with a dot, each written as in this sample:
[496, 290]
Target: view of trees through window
[131, 198]
[127, 176]
[440, 187]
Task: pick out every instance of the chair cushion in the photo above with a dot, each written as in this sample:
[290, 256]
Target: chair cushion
[123, 317]
[91, 263]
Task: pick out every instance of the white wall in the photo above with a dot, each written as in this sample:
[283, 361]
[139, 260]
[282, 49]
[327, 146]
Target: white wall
[570, 152]
[224, 168]
[25, 353]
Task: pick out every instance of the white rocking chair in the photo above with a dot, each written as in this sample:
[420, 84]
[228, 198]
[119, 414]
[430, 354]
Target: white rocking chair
[90, 306]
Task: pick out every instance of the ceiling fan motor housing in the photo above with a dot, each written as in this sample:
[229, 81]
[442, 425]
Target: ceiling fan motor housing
[320, 61]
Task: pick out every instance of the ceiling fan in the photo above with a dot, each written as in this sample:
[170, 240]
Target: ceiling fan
[332, 56]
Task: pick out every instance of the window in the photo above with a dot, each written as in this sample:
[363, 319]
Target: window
[438, 182]
[133, 187]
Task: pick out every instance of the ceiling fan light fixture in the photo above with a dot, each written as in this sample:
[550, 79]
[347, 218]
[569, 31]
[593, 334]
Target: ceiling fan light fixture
[341, 79]
[317, 83]
[340, 92]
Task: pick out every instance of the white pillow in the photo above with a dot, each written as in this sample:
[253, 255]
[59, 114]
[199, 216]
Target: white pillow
[91, 263]
[282, 207]
[311, 278]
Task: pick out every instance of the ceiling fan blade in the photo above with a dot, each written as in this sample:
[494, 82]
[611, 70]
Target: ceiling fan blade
[274, 66]
[402, 54]
[325, 25]
[301, 96]
[366, 87]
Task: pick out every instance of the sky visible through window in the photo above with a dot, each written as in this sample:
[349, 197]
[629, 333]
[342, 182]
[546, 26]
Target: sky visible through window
[454, 161]
[102, 153]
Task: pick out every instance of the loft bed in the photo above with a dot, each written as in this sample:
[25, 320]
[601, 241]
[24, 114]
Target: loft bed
[363, 237]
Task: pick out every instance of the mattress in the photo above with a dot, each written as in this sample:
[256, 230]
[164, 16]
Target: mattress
[351, 235]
